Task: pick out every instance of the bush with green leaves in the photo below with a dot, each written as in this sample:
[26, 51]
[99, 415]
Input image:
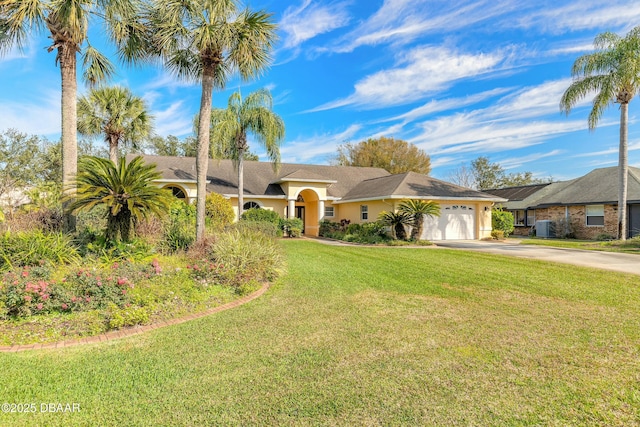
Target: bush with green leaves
[265, 227]
[293, 226]
[218, 211]
[257, 214]
[502, 220]
[180, 228]
[33, 248]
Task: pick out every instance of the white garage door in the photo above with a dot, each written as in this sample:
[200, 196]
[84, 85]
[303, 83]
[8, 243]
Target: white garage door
[456, 222]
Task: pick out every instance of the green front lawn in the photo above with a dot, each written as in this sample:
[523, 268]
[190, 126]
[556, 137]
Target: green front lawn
[367, 336]
[628, 246]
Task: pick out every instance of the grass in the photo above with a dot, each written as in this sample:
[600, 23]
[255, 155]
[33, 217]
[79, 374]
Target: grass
[631, 246]
[367, 336]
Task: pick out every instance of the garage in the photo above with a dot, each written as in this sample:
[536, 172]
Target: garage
[456, 222]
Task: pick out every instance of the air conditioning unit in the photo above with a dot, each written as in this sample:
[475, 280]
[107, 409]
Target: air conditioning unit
[545, 229]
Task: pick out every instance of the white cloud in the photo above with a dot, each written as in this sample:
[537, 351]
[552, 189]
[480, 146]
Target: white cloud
[318, 146]
[173, 120]
[309, 20]
[403, 21]
[419, 72]
[37, 117]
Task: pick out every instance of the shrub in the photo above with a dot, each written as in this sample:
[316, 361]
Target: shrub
[34, 248]
[180, 229]
[497, 234]
[131, 315]
[247, 255]
[44, 219]
[265, 227]
[218, 210]
[327, 227]
[293, 226]
[502, 220]
[261, 215]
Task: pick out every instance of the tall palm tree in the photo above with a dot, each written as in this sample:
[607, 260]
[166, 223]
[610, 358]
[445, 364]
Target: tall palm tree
[68, 23]
[397, 221]
[116, 113]
[612, 72]
[417, 209]
[230, 127]
[125, 189]
[207, 41]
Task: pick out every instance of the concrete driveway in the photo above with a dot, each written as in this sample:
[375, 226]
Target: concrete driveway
[626, 263]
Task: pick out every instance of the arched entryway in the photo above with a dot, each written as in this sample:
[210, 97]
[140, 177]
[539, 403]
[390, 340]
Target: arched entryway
[306, 206]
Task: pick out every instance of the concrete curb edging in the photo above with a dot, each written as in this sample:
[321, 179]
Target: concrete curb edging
[135, 330]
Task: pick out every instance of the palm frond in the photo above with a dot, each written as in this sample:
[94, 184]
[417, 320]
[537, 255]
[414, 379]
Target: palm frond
[97, 67]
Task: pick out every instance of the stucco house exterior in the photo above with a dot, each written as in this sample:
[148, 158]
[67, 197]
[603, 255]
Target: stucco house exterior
[587, 206]
[318, 192]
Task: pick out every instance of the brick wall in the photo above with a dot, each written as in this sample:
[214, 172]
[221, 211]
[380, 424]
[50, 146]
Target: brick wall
[577, 223]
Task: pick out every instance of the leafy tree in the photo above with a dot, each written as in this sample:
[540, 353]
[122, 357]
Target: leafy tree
[485, 175]
[613, 73]
[126, 189]
[206, 41]
[219, 210]
[117, 114]
[230, 127]
[68, 23]
[394, 155]
[20, 157]
[417, 209]
[171, 146]
[397, 221]
[502, 220]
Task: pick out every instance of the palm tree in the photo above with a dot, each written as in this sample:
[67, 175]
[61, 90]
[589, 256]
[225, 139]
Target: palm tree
[68, 23]
[417, 209]
[125, 189]
[397, 221]
[206, 41]
[116, 113]
[613, 73]
[230, 127]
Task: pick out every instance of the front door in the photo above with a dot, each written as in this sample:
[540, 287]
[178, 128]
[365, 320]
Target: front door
[300, 214]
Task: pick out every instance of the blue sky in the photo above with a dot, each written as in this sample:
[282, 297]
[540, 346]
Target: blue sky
[460, 79]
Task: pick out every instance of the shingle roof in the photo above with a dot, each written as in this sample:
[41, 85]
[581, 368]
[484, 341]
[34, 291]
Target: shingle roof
[260, 178]
[599, 186]
[413, 185]
[516, 193]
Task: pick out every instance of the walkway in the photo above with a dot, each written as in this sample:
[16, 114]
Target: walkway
[625, 263]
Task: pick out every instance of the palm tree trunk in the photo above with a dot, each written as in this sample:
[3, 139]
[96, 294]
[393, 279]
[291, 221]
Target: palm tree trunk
[240, 182]
[623, 172]
[202, 157]
[67, 57]
[113, 149]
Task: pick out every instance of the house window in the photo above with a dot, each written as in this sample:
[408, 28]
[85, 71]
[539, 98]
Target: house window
[595, 215]
[531, 217]
[518, 218]
[364, 212]
[329, 211]
[250, 205]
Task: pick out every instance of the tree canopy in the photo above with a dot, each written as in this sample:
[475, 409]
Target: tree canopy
[394, 155]
[485, 175]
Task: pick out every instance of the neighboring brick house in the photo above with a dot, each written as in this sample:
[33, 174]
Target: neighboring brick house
[585, 207]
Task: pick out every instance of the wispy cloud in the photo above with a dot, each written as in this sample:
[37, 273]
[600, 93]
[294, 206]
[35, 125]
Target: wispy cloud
[419, 72]
[39, 117]
[309, 20]
[318, 146]
[403, 21]
[173, 120]
[582, 15]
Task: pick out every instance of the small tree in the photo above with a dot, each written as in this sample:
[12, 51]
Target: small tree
[502, 220]
[397, 221]
[126, 190]
[218, 210]
[417, 209]
[394, 155]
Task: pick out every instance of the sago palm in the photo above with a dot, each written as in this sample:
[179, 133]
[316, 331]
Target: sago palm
[417, 209]
[397, 221]
[125, 189]
[612, 72]
[207, 41]
[230, 126]
[68, 23]
[116, 113]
